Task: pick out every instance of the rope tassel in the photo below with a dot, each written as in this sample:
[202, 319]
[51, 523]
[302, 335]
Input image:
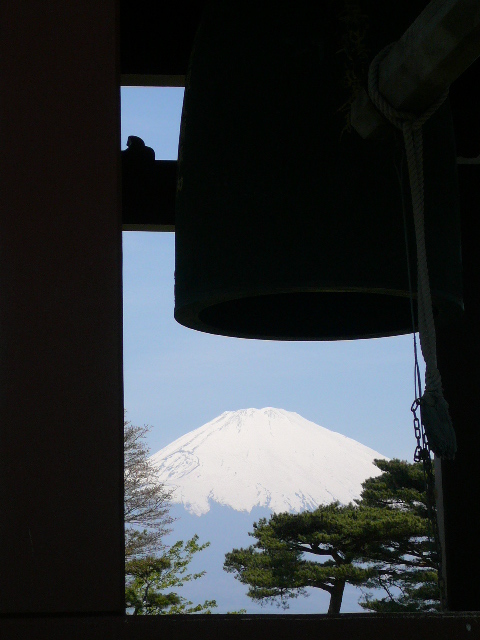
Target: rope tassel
[438, 424]
[433, 406]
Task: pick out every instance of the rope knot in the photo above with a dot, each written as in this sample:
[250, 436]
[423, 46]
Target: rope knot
[399, 119]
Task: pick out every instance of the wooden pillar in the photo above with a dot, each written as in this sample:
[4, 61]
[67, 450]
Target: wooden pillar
[458, 350]
[61, 390]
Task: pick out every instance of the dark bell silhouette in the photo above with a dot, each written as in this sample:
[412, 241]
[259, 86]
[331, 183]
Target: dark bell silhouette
[288, 225]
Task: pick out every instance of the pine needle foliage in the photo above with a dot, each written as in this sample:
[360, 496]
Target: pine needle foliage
[149, 579]
[405, 570]
[379, 542]
[152, 569]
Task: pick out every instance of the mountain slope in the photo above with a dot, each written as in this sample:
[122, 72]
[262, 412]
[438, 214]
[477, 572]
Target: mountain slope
[264, 458]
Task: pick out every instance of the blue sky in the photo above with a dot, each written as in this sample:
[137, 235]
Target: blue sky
[177, 379]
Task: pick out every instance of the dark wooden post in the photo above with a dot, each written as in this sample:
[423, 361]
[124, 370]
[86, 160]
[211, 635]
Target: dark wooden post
[458, 350]
[61, 399]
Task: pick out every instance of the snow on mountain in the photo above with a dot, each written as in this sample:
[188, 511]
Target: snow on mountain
[264, 458]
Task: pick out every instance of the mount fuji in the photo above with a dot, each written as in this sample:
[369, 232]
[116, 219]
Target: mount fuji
[263, 458]
[239, 468]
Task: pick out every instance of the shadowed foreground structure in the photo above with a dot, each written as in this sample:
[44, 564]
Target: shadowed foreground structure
[61, 392]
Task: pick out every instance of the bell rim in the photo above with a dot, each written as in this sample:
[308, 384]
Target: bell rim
[446, 309]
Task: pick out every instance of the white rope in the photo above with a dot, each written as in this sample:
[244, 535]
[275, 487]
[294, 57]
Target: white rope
[434, 408]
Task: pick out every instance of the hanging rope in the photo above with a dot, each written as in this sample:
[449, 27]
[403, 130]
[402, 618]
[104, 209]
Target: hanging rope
[433, 406]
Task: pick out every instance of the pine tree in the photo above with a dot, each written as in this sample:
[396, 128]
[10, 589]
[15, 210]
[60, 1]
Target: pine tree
[278, 566]
[381, 542]
[400, 486]
[405, 570]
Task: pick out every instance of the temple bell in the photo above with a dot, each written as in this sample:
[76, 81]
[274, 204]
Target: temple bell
[288, 225]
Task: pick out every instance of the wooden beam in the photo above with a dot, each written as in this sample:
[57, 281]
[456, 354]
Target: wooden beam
[458, 353]
[434, 51]
[363, 626]
[156, 40]
[151, 80]
[149, 187]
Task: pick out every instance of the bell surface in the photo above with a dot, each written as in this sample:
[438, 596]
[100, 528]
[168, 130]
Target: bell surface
[288, 225]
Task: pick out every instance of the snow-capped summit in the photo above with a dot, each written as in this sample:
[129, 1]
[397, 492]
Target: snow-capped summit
[264, 457]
